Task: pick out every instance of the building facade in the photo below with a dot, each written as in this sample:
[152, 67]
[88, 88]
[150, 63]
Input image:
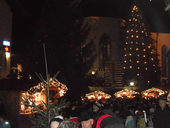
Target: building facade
[5, 38]
[105, 33]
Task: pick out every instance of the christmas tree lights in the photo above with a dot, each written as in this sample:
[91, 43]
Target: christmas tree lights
[139, 55]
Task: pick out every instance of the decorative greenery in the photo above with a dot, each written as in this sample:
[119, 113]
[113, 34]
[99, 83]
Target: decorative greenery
[42, 113]
[40, 119]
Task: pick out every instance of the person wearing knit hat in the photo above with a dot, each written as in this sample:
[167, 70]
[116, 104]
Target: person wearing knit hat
[86, 120]
[55, 122]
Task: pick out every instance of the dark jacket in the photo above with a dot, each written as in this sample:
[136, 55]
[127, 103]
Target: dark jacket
[111, 122]
[162, 118]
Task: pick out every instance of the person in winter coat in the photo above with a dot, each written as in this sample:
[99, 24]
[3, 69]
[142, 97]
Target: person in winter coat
[108, 119]
[162, 115]
[68, 124]
[130, 121]
[86, 121]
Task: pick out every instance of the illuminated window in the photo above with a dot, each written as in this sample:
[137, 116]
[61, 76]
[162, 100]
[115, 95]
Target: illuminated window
[130, 20]
[130, 48]
[144, 55]
[132, 36]
[125, 61]
[137, 36]
[124, 67]
[142, 31]
[143, 43]
[130, 67]
[138, 55]
[146, 69]
[137, 61]
[136, 30]
[149, 46]
[136, 42]
[152, 59]
[130, 60]
[125, 49]
[130, 54]
[132, 30]
[144, 50]
[131, 42]
[155, 71]
[138, 67]
[138, 74]
[154, 65]
[137, 49]
[145, 62]
[127, 31]
[125, 55]
[126, 42]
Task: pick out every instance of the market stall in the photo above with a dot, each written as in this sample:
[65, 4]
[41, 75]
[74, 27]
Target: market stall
[36, 97]
[168, 99]
[126, 93]
[152, 93]
[97, 95]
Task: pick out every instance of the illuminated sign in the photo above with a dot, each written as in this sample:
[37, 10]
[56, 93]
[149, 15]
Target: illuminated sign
[6, 43]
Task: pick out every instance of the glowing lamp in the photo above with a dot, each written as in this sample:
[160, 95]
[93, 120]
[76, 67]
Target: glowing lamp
[93, 72]
[7, 54]
[132, 83]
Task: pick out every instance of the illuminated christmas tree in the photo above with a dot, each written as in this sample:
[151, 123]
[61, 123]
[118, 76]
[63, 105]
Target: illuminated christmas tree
[139, 54]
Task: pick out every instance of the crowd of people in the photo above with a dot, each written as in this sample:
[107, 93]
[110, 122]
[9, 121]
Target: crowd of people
[115, 113]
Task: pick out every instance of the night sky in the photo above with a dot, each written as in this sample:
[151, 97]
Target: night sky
[28, 13]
